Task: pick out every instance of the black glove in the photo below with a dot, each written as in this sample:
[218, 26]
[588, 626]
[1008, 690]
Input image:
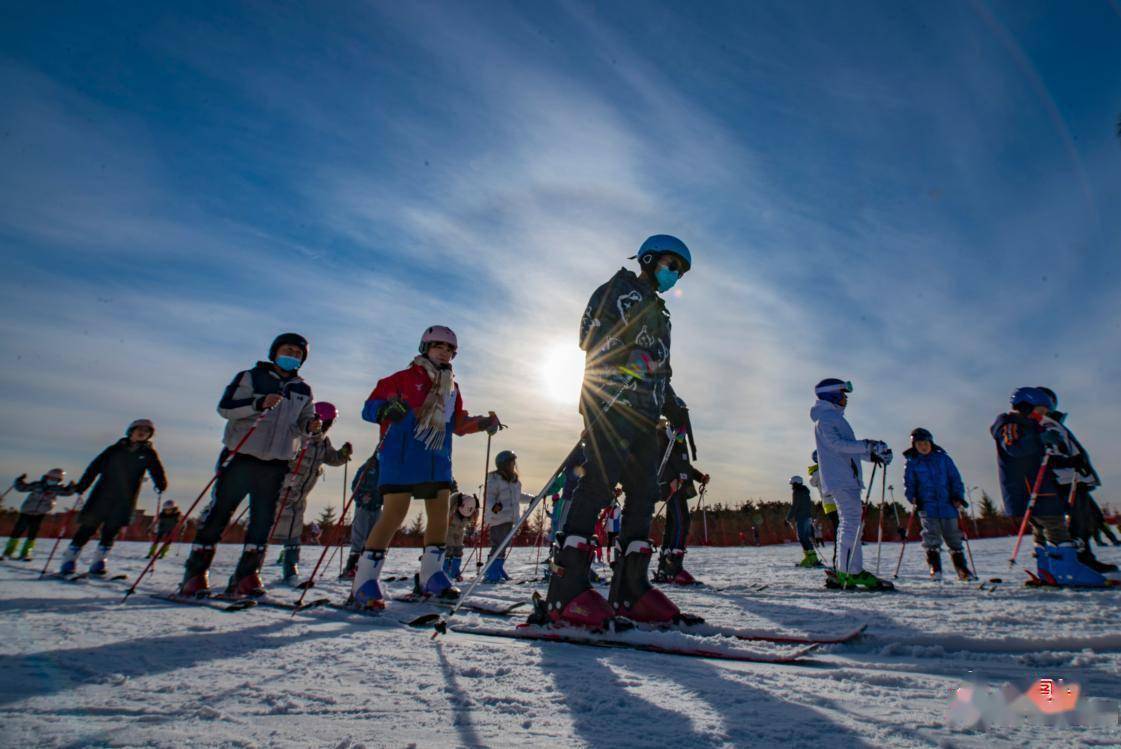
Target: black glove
[496, 508]
[393, 410]
[345, 451]
[1053, 440]
[959, 502]
[21, 477]
[489, 424]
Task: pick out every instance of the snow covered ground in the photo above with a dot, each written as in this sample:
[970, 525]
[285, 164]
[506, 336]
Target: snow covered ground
[79, 669]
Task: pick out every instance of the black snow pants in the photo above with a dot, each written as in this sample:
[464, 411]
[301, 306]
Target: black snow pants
[86, 531]
[622, 448]
[245, 475]
[28, 523]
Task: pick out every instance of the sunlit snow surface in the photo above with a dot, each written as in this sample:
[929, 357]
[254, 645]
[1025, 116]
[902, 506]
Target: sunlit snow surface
[77, 668]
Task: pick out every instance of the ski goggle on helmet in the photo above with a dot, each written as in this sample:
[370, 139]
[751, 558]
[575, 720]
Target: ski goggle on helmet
[833, 390]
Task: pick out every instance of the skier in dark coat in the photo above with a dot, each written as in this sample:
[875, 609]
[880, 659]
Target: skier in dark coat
[801, 517]
[676, 487]
[625, 333]
[165, 523]
[118, 471]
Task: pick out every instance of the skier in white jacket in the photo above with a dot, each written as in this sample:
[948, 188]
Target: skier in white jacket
[839, 455]
[504, 496]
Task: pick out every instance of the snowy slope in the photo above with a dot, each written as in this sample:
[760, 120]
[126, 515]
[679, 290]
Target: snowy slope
[80, 669]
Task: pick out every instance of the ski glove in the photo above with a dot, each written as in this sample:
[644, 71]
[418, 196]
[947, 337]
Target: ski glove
[345, 451]
[393, 411]
[489, 424]
[879, 452]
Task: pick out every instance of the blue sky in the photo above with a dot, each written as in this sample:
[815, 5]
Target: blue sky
[922, 198]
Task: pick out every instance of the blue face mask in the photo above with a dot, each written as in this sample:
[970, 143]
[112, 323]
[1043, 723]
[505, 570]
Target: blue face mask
[288, 363]
[666, 278]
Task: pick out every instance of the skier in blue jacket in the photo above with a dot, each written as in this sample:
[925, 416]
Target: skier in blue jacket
[935, 488]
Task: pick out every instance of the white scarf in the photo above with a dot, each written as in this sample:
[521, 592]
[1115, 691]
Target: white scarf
[432, 419]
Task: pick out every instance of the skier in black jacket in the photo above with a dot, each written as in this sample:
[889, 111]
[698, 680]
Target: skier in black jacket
[676, 485]
[801, 517]
[625, 334]
[118, 471]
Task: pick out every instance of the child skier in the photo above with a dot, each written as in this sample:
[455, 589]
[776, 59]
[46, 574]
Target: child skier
[304, 472]
[118, 470]
[40, 501]
[269, 406]
[367, 510]
[462, 515]
[1076, 479]
[840, 454]
[613, 523]
[503, 510]
[418, 408]
[934, 486]
[165, 523]
[1021, 452]
[801, 517]
[677, 488]
[625, 332]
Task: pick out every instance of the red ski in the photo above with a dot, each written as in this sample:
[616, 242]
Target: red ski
[633, 640]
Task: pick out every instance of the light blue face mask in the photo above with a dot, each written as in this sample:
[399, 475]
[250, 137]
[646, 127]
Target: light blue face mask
[666, 278]
[288, 363]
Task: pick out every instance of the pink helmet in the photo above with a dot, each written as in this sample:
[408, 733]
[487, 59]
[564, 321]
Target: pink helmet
[438, 334]
[325, 411]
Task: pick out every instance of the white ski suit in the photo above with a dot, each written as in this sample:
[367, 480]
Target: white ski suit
[839, 453]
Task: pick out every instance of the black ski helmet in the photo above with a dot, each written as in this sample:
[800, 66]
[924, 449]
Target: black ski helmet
[921, 433]
[504, 458]
[294, 339]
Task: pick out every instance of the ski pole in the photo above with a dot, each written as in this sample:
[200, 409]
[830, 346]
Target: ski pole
[183, 520]
[895, 508]
[295, 472]
[7, 492]
[482, 522]
[863, 512]
[968, 548]
[880, 532]
[903, 548]
[61, 533]
[339, 526]
[1031, 504]
[704, 511]
[338, 523]
[338, 541]
[441, 623]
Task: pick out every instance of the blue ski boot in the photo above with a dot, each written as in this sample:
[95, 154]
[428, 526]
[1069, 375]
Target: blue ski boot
[495, 572]
[365, 591]
[98, 567]
[432, 580]
[70, 560]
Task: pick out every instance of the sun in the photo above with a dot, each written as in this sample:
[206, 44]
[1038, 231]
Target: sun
[562, 371]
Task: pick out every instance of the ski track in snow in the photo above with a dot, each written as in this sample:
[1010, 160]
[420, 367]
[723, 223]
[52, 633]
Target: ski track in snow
[80, 669]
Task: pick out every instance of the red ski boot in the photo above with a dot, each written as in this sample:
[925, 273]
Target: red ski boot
[572, 601]
[246, 580]
[196, 581]
[632, 595]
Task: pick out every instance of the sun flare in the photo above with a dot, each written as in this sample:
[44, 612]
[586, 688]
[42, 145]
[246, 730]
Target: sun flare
[562, 370]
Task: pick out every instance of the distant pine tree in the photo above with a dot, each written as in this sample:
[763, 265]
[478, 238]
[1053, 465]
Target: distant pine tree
[327, 517]
[988, 507]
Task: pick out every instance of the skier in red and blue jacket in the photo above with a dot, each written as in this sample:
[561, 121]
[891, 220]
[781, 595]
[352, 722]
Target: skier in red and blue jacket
[418, 408]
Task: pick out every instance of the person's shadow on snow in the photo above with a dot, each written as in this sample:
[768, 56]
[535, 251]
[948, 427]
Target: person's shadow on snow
[621, 699]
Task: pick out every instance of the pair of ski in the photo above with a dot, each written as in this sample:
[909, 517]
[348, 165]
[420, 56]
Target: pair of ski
[86, 576]
[222, 602]
[649, 639]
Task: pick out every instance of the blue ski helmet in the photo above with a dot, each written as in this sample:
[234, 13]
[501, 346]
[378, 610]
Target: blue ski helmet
[831, 389]
[660, 244]
[1050, 394]
[1030, 396]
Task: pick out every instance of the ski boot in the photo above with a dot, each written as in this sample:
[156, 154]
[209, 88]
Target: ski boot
[432, 580]
[1068, 568]
[571, 600]
[661, 575]
[70, 560]
[196, 579]
[1043, 574]
[98, 568]
[291, 572]
[365, 590]
[10, 549]
[832, 581]
[810, 560]
[864, 579]
[25, 552]
[351, 566]
[680, 575]
[495, 572]
[633, 597]
[1086, 557]
[246, 580]
[961, 567]
[934, 562]
[453, 567]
